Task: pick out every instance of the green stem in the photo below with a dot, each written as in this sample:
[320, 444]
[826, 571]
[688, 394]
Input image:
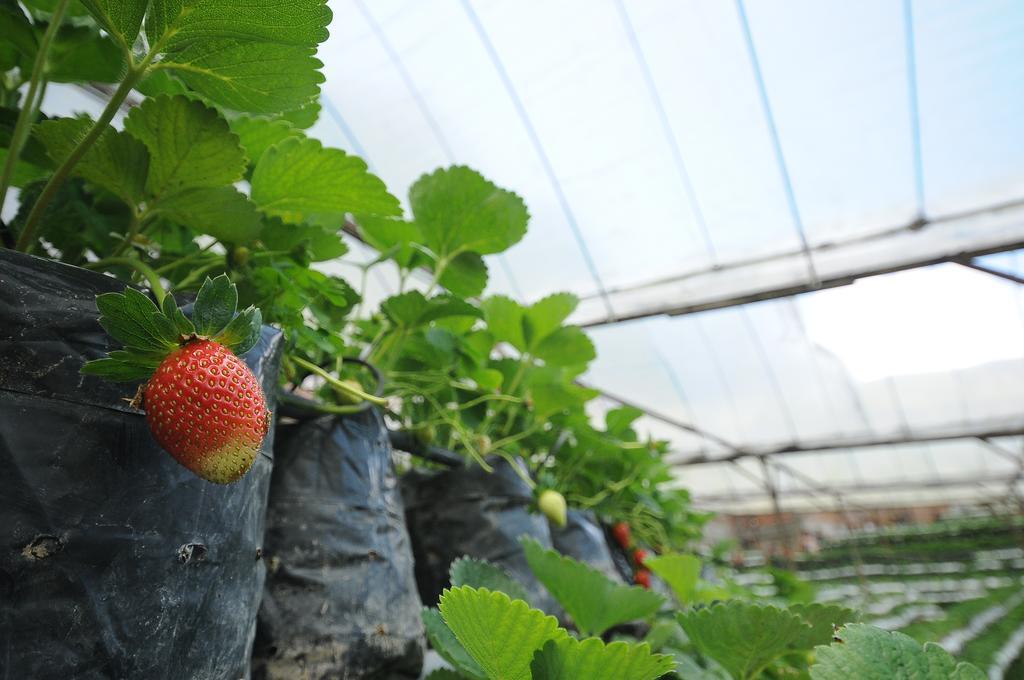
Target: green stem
[30, 233]
[338, 384]
[197, 273]
[148, 272]
[133, 229]
[188, 258]
[33, 98]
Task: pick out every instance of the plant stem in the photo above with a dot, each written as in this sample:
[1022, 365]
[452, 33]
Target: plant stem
[344, 387]
[148, 272]
[33, 98]
[29, 234]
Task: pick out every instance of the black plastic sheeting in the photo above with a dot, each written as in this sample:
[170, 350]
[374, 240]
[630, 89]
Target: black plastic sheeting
[115, 561]
[583, 539]
[468, 511]
[341, 598]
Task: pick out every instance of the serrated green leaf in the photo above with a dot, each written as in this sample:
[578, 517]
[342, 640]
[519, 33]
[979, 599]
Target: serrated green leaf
[680, 572]
[289, 22]
[567, 346]
[143, 312]
[17, 30]
[443, 641]
[546, 316]
[121, 325]
[221, 212]
[743, 637]
[869, 653]
[571, 659]
[413, 309]
[394, 236]
[80, 53]
[457, 210]
[465, 276]
[120, 18]
[824, 619]
[321, 243]
[243, 332]
[166, 328]
[116, 162]
[619, 420]
[487, 378]
[470, 571]
[24, 172]
[248, 76]
[595, 602]
[552, 391]
[500, 634]
[300, 181]
[504, 317]
[157, 83]
[215, 305]
[117, 371]
[305, 116]
[445, 674]
[259, 134]
[190, 145]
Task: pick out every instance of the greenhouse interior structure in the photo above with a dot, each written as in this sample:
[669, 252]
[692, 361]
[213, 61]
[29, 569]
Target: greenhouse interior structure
[495, 340]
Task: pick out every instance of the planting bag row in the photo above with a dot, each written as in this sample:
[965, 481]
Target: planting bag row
[341, 598]
[468, 511]
[115, 561]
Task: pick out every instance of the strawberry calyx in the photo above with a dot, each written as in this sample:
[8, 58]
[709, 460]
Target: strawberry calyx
[149, 333]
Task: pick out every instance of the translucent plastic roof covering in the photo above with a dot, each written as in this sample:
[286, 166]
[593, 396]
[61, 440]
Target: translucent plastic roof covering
[685, 156]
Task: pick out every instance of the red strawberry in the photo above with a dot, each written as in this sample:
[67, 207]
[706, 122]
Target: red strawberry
[622, 535]
[206, 408]
[203, 404]
[639, 556]
[642, 578]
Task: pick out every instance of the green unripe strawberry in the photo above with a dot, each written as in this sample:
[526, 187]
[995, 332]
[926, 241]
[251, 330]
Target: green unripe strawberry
[552, 504]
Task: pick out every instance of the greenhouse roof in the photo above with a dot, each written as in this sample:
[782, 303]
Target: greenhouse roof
[769, 210]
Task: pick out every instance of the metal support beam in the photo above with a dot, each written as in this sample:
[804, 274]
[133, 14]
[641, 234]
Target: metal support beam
[839, 444]
[973, 264]
[922, 242]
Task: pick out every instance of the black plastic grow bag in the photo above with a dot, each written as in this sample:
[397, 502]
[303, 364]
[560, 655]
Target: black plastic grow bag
[468, 511]
[115, 561]
[341, 598]
[583, 539]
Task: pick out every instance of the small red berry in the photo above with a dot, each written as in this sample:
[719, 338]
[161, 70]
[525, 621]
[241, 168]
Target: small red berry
[622, 535]
[207, 409]
[639, 556]
[642, 578]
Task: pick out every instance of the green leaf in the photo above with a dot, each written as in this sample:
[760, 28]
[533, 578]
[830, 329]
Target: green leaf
[504, 317]
[80, 53]
[215, 305]
[24, 172]
[869, 653]
[116, 162]
[457, 210]
[469, 571]
[17, 30]
[500, 634]
[824, 619]
[300, 181]
[545, 316]
[571, 659]
[190, 145]
[443, 641]
[595, 602]
[305, 116]
[128, 318]
[156, 83]
[393, 236]
[321, 243]
[222, 212]
[743, 637]
[445, 674]
[150, 360]
[287, 22]
[121, 18]
[567, 346]
[259, 134]
[618, 421]
[465, 276]
[243, 332]
[181, 322]
[680, 572]
[413, 309]
[117, 371]
[248, 76]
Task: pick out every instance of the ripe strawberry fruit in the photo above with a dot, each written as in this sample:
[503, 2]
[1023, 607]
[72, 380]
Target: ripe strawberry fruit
[642, 578]
[622, 535]
[639, 556]
[203, 404]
